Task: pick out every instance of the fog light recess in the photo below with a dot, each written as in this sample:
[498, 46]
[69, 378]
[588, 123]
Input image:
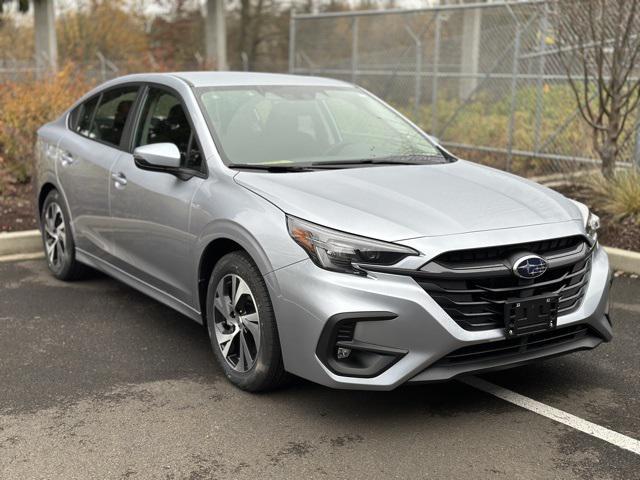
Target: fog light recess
[341, 353]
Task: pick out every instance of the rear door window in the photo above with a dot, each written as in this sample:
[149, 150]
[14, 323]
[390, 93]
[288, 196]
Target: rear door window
[112, 113]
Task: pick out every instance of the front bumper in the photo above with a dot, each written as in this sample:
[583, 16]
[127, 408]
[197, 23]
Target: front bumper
[305, 297]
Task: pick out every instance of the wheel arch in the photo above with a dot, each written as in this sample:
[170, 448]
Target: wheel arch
[49, 183]
[45, 189]
[211, 255]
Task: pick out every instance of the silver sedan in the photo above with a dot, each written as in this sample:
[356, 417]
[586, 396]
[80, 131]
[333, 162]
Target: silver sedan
[316, 231]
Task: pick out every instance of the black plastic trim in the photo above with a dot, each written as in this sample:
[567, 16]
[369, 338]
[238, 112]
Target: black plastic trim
[376, 358]
[508, 349]
[435, 269]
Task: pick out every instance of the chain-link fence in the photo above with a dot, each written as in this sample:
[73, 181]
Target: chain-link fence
[486, 79]
[100, 69]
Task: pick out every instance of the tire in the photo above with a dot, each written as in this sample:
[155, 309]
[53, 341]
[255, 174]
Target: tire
[249, 364]
[57, 239]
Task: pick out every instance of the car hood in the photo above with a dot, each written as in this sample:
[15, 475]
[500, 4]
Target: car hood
[400, 202]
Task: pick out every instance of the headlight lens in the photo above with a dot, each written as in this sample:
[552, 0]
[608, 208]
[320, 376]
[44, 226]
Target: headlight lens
[592, 226]
[342, 252]
[591, 221]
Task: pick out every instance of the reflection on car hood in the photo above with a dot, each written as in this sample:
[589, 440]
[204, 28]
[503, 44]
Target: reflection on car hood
[401, 202]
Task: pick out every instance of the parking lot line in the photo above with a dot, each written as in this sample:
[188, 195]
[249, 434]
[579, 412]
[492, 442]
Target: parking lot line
[614, 438]
[18, 257]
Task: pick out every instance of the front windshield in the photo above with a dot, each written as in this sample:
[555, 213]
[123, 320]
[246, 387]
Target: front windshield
[271, 125]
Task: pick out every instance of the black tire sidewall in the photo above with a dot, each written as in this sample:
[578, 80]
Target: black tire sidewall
[269, 359]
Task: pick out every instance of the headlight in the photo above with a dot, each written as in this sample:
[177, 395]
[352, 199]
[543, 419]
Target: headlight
[591, 221]
[592, 226]
[342, 252]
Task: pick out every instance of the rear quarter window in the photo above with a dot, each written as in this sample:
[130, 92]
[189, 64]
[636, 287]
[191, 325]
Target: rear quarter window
[81, 116]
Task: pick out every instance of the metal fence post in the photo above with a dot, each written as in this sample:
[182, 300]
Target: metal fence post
[292, 42]
[514, 93]
[434, 80]
[542, 45]
[103, 66]
[470, 56]
[418, 93]
[354, 49]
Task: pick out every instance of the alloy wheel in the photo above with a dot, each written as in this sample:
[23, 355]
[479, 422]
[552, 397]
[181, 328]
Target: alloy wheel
[236, 322]
[55, 238]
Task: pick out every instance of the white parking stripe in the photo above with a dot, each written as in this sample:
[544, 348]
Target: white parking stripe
[614, 438]
[18, 257]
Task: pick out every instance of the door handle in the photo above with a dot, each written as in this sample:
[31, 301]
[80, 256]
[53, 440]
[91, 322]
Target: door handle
[66, 158]
[119, 179]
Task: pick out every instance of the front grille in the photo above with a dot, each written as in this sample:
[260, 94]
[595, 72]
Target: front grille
[542, 248]
[472, 286]
[516, 346]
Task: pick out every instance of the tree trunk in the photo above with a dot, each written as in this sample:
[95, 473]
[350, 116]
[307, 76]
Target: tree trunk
[245, 25]
[609, 147]
[608, 157]
[256, 34]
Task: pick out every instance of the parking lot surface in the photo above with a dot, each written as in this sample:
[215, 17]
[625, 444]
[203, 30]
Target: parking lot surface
[99, 381]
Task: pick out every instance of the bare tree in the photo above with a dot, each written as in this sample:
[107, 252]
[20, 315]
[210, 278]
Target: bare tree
[262, 31]
[599, 45]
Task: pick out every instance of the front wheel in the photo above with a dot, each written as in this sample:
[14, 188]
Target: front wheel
[242, 326]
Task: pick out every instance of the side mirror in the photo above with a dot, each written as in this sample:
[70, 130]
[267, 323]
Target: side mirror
[162, 157]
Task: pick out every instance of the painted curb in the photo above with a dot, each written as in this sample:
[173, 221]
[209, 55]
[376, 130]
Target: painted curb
[14, 243]
[29, 242]
[624, 260]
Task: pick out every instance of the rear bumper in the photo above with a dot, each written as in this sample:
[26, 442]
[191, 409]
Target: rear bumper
[410, 323]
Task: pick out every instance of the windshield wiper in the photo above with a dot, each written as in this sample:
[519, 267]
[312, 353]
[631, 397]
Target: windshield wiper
[331, 164]
[391, 160]
[271, 168]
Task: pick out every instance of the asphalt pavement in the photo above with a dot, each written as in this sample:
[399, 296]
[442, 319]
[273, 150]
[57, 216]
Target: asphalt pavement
[99, 381]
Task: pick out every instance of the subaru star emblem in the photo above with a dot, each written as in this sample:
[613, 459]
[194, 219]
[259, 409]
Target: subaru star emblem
[529, 266]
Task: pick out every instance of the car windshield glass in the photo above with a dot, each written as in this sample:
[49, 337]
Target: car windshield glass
[267, 125]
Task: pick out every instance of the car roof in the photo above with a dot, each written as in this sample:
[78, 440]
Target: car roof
[225, 79]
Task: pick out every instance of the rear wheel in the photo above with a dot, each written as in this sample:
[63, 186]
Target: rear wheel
[57, 239]
[242, 326]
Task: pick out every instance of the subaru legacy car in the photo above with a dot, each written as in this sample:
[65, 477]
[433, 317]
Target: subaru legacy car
[315, 231]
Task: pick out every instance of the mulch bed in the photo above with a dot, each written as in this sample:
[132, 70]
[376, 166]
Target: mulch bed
[18, 209]
[17, 212]
[623, 234]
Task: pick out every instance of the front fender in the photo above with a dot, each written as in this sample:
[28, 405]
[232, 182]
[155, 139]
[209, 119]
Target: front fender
[224, 210]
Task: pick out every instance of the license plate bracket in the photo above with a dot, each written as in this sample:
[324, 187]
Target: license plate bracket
[523, 316]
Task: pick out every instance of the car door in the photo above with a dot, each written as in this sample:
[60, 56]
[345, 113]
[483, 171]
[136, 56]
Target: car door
[86, 156]
[150, 209]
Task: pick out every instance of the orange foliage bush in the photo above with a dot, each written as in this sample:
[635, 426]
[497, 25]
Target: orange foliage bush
[24, 107]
